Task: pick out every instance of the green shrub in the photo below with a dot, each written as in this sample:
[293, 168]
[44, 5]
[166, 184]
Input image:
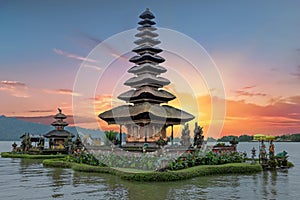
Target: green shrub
[191, 159]
[84, 158]
[140, 161]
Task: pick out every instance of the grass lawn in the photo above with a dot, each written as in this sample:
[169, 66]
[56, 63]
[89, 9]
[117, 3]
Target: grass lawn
[29, 156]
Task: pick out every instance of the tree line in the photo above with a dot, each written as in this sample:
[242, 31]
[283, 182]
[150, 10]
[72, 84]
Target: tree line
[248, 138]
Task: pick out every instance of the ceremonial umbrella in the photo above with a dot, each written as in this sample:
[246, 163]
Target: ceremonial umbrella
[270, 138]
[259, 137]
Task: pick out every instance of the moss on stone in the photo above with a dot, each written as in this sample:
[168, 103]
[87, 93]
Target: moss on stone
[290, 164]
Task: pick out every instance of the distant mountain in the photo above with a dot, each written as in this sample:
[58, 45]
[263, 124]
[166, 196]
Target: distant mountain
[11, 129]
[94, 133]
[211, 139]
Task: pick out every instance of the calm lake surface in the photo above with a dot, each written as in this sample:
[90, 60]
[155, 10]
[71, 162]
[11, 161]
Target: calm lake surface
[28, 179]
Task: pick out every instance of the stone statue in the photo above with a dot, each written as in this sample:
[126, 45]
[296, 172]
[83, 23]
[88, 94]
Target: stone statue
[41, 144]
[272, 162]
[263, 153]
[69, 144]
[198, 137]
[234, 143]
[161, 142]
[271, 150]
[253, 154]
[26, 142]
[78, 145]
[14, 146]
[185, 136]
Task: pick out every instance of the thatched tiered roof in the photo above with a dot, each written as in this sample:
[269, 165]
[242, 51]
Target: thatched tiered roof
[59, 125]
[144, 113]
[147, 93]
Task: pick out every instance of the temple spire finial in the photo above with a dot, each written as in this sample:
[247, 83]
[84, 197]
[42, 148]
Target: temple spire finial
[147, 15]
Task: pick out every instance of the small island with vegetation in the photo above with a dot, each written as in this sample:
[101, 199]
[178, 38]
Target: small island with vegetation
[144, 167]
[155, 166]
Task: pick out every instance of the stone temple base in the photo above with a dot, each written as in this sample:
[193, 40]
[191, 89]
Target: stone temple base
[139, 146]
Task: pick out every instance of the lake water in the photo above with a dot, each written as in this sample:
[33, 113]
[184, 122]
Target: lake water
[28, 179]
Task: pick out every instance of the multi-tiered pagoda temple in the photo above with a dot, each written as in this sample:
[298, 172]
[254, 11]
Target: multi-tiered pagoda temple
[145, 119]
[59, 135]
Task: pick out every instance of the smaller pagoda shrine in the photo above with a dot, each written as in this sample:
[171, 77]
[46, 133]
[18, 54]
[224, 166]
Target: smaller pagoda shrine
[59, 135]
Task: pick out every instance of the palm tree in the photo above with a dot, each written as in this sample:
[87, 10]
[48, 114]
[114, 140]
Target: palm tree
[111, 136]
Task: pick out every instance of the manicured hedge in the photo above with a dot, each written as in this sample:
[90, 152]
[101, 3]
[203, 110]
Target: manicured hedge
[137, 175]
[29, 156]
[59, 162]
[205, 170]
[191, 159]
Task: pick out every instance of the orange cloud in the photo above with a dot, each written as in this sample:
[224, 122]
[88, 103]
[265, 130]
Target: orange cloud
[249, 87]
[249, 94]
[14, 88]
[13, 83]
[41, 111]
[92, 67]
[62, 91]
[281, 117]
[246, 93]
[102, 102]
[73, 56]
[90, 108]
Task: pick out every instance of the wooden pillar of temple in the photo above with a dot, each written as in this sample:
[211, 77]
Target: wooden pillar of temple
[120, 135]
[145, 133]
[163, 131]
[172, 135]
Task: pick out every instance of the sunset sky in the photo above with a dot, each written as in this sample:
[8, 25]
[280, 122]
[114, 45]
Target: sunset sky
[255, 46]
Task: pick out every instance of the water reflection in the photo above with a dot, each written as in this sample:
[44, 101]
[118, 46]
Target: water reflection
[65, 183]
[57, 178]
[265, 184]
[101, 185]
[273, 183]
[255, 182]
[29, 169]
[25, 163]
[148, 191]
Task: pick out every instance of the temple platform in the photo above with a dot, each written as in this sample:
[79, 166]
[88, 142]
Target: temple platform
[139, 146]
